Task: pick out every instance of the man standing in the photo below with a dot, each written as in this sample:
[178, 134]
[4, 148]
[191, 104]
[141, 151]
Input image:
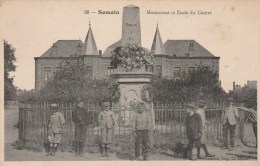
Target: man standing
[229, 125]
[253, 119]
[80, 117]
[201, 112]
[140, 128]
[106, 119]
[56, 123]
[193, 129]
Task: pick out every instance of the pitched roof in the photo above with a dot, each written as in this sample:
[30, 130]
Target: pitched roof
[182, 48]
[90, 47]
[157, 46]
[64, 48]
[109, 49]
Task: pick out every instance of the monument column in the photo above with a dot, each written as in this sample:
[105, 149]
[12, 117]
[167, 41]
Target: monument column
[131, 31]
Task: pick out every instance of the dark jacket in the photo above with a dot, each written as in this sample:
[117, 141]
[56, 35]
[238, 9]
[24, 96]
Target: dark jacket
[193, 126]
[81, 116]
[141, 121]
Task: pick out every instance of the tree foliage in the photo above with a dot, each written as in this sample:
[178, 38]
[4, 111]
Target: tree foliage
[200, 84]
[26, 96]
[71, 82]
[246, 95]
[9, 59]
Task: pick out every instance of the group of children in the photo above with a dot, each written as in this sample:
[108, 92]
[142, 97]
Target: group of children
[106, 118]
[195, 129]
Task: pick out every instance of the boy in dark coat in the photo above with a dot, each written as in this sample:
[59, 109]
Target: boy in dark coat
[193, 129]
[80, 116]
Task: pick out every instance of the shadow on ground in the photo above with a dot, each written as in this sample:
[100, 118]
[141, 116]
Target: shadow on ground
[242, 156]
[125, 156]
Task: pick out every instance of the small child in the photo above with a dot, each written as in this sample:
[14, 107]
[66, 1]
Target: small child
[141, 124]
[106, 121]
[56, 123]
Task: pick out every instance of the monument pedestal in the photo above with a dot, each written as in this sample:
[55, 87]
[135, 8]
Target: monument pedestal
[130, 86]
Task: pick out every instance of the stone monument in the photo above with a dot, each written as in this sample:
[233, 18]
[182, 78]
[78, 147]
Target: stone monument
[131, 82]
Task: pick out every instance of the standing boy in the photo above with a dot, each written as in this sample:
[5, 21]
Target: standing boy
[106, 119]
[80, 117]
[201, 112]
[140, 130]
[229, 124]
[56, 123]
[193, 129]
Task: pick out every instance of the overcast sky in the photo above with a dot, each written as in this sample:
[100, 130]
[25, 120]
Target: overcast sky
[231, 32]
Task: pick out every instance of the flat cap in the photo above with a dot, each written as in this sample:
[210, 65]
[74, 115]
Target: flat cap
[106, 104]
[230, 99]
[191, 105]
[79, 99]
[202, 102]
[54, 105]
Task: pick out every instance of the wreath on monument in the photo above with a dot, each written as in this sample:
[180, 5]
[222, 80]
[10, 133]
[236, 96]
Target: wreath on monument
[131, 57]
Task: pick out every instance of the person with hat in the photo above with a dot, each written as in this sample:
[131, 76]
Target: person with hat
[141, 124]
[229, 116]
[201, 112]
[106, 119]
[193, 129]
[81, 119]
[56, 123]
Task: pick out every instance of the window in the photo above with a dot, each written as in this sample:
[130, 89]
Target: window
[183, 75]
[110, 70]
[149, 68]
[89, 72]
[47, 73]
[57, 69]
[206, 67]
[158, 71]
[177, 72]
[191, 70]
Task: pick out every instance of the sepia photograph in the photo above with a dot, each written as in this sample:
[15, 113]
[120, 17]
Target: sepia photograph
[130, 81]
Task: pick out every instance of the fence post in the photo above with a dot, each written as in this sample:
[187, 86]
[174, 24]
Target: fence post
[180, 120]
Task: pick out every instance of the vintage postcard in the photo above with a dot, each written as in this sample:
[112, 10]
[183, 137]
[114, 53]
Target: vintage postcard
[130, 82]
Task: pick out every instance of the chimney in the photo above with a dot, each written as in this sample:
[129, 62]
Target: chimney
[191, 47]
[54, 50]
[100, 52]
[79, 49]
[234, 86]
